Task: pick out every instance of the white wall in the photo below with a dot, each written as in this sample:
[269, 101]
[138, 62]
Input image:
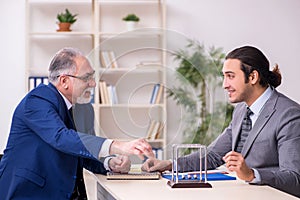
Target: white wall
[12, 51]
[272, 25]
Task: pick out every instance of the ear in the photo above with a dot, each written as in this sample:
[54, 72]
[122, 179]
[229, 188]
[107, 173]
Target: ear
[254, 77]
[64, 82]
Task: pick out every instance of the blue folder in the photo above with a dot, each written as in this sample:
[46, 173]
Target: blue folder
[210, 177]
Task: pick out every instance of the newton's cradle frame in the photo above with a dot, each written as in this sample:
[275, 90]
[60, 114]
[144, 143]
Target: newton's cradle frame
[189, 181]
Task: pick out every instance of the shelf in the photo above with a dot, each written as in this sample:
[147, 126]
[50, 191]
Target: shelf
[126, 2]
[99, 28]
[121, 71]
[60, 2]
[52, 33]
[153, 32]
[129, 106]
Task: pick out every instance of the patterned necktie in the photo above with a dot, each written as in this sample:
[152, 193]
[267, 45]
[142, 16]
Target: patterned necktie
[245, 129]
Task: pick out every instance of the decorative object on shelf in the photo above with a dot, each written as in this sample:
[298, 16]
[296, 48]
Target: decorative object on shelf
[65, 20]
[131, 21]
[198, 71]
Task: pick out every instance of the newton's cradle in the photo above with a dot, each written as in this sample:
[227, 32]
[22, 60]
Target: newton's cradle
[189, 180]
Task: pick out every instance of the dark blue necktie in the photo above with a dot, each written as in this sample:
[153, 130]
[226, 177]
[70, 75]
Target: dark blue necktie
[79, 192]
[245, 129]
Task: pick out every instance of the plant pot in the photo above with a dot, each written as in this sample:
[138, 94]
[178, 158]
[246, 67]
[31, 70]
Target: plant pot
[131, 25]
[63, 26]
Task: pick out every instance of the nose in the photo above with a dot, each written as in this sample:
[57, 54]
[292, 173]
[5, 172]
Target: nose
[92, 82]
[225, 83]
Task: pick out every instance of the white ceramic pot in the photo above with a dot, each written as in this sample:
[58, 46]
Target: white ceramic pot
[131, 25]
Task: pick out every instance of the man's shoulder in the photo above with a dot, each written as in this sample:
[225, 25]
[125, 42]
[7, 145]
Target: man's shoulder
[285, 101]
[44, 91]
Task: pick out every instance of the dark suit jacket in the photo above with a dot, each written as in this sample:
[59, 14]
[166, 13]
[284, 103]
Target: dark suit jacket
[272, 147]
[42, 152]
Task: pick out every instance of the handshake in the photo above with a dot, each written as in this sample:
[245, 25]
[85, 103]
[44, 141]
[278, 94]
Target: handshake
[121, 163]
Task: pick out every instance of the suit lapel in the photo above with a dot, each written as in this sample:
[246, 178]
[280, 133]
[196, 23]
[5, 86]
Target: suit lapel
[63, 110]
[261, 121]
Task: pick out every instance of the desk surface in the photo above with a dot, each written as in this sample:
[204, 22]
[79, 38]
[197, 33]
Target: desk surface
[158, 189]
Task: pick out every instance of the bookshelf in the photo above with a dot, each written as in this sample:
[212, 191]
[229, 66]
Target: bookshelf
[130, 63]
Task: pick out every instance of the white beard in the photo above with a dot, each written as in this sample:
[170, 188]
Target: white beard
[86, 96]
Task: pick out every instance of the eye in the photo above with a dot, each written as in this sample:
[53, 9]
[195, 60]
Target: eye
[229, 76]
[88, 77]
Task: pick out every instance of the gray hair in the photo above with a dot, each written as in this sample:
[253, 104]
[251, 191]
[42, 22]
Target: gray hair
[63, 63]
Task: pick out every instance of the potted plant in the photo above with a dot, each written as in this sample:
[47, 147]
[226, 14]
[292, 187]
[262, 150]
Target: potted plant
[198, 73]
[65, 20]
[131, 21]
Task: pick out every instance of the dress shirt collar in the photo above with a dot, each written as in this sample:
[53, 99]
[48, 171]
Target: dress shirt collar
[68, 103]
[257, 106]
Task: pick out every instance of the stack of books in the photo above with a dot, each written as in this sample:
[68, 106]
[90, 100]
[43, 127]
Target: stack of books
[108, 59]
[154, 130]
[108, 94]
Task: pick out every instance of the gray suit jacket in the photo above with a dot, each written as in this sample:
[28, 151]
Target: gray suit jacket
[272, 147]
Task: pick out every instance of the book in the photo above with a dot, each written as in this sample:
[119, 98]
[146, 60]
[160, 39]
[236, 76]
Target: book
[109, 94]
[159, 94]
[114, 95]
[104, 58]
[158, 152]
[112, 59]
[104, 96]
[154, 93]
[159, 131]
[150, 129]
[155, 130]
[108, 59]
[133, 176]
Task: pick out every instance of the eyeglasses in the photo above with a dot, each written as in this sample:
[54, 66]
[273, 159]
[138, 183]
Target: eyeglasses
[86, 78]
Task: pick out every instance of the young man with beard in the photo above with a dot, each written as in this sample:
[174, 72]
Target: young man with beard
[262, 147]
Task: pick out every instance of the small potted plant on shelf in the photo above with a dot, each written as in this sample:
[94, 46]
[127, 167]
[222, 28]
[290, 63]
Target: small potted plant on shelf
[65, 20]
[131, 21]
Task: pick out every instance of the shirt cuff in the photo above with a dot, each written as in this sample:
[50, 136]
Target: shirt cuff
[104, 151]
[257, 178]
[105, 163]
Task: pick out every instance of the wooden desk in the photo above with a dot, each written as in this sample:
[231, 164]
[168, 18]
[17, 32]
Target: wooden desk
[158, 189]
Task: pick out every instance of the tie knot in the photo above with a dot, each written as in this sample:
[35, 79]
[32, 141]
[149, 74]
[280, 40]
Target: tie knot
[249, 112]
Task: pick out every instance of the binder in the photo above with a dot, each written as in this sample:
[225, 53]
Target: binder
[218, 176]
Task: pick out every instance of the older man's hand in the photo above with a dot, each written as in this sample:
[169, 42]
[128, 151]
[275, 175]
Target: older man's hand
[138, 147]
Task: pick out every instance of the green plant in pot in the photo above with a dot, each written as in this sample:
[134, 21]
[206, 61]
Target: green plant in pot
[131, 21]
[65, 20]
[199, 92]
